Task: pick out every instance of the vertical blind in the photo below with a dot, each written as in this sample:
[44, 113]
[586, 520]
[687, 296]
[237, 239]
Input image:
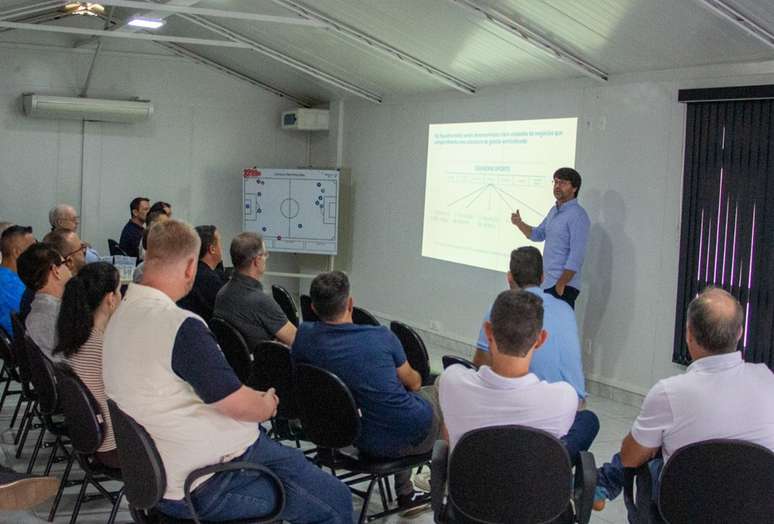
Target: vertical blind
[727, 232]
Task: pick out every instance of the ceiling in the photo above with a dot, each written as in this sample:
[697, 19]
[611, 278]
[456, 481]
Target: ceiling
[388, 48]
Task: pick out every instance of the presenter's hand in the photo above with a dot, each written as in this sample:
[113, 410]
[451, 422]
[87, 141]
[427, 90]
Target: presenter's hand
[559, 289]
[516, 219]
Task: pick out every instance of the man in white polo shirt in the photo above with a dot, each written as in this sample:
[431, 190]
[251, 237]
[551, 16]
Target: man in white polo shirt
[162, 366]
[720, 396]
[506, 392]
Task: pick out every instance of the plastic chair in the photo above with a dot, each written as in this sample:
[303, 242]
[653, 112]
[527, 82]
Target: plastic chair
[511, 474]
[8, 373]
[285, 301]
[114, 248]
[714, 481]
[363, 317]
[307, 313]
[29, 395]
[234, 347]
[331, 419]
[414, 347]
[450, 360]
[145, 480]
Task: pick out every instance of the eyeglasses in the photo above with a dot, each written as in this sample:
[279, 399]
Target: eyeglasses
[82, 248]
[560, 182]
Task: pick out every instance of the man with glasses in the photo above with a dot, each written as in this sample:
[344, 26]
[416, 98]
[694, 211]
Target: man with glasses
[13, 242]
[70, 247]
[43, 269]
[565, 231]
[64, 217]
[242, 301]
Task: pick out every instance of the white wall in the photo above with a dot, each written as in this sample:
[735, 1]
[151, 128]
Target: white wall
[206, 128]
[630, 157]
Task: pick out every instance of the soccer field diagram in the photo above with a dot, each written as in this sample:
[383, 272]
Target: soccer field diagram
[294, 210]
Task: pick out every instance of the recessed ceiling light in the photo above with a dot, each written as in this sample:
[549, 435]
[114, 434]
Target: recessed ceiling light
[84, 8]
[147, 23]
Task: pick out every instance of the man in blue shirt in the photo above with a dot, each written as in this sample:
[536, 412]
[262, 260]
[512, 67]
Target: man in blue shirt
[131, 235]
[398, 419]
[565, 231]
[559, 359]
[14, 241]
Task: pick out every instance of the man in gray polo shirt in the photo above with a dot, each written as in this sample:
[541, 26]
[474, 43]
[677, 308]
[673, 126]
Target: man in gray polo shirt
[242, 302]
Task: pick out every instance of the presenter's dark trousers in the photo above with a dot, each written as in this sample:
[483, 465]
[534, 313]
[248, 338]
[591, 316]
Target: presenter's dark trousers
[570, 294]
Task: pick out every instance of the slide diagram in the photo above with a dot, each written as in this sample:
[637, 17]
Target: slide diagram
[295, 210]
[491, 197]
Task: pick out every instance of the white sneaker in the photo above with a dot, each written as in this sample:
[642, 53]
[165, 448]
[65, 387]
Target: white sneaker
[421, 480]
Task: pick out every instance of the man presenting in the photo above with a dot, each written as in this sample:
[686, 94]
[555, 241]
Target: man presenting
[565, 231]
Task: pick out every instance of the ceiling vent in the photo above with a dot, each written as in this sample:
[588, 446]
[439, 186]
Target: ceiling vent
[93, 109]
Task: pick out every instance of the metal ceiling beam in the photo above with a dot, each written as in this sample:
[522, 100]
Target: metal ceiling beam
[37, 19]
[217, 13]
[30, 9]
[739, 19]
[121, 34]
[285, 59]
[373, 43]
[196, 57]
[534, 38]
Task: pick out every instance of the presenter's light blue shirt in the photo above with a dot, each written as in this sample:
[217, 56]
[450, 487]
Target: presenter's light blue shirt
[559, 359]
[92, 255]
[565, 231]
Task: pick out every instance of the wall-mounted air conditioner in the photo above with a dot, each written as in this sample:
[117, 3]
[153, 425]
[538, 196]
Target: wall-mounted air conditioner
[303, 119]
[95, 109]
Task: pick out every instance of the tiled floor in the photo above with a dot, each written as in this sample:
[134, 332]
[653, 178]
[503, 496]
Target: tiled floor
[615, 418]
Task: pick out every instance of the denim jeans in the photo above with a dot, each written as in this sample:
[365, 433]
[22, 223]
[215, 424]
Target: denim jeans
[582, 433]
[610, 477]
[311, 495]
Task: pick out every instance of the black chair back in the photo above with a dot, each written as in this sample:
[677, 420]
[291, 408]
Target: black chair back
[6, 354]
[234, 347]
[414, 347]
[145, 480]
[718, 481]
[42, 376]
[450, 360]
[85, 423]
[19, 351]
[307, 314]
[363, 317]
[283, 297]
[273, 367]
[327, 408]
[114, 249]
[509, 474]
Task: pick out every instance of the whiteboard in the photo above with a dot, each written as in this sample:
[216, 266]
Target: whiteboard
[295, 210]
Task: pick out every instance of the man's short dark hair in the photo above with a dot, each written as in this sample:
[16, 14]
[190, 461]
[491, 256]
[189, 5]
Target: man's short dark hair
[329, 293]
[135, 204]
[526, 266]
[34, 264]
[207, 235]
[10, 236]
[159, 206]
[715, 319]
[244, 248]
[572, 176]
[517, 318]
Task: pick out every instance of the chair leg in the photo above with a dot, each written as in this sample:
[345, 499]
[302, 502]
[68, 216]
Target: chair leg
[62, 485]
[116, 505]
[16, 412]
[27, 426]
[5, 390]
[36, 450]
[54, 448]
[79, 500]
[382, 481]
[22, 423]
[366, 500]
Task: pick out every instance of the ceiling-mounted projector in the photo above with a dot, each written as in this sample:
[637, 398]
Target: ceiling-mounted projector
[94, 109]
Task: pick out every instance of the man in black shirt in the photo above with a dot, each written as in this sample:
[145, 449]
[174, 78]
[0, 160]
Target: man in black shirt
[131, 236]
[201, 299]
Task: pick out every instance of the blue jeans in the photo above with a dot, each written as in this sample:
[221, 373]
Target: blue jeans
[311, 495]
[582, 433]
[610, 477]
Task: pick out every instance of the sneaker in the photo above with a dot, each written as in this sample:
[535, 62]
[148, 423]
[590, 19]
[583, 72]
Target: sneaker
[600, 498]
[421, 480]
[412, 499]
[20, 491]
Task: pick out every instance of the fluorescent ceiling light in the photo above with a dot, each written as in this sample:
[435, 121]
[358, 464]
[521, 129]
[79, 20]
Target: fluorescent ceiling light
[147, 23]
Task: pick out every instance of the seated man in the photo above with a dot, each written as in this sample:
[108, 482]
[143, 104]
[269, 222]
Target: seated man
[69, 246]
[242, 302]
[399, 419]
[201, 299]
[43, 269]
[151, 218]
[559, 359]
[65, 218]
[14, 241]
[162, 207]
[719, 396]
[506, 392]
[163, 367]
[131, 235]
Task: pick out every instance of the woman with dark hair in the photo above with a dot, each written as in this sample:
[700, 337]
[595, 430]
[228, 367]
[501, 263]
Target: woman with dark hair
[89, 300]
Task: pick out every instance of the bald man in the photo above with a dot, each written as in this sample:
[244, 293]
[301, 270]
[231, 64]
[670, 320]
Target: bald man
[719, 396]
[13, 242]
[64, 217]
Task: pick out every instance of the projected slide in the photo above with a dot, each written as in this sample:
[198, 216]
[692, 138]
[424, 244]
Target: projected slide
[478, 174]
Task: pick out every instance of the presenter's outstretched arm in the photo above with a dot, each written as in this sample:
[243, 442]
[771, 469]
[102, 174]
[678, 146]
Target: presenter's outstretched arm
[518, 222]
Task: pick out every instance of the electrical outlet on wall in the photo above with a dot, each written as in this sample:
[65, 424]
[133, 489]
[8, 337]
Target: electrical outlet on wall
[435, 325]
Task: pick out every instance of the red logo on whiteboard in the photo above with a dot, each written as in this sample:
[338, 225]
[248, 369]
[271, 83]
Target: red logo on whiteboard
[251, 172]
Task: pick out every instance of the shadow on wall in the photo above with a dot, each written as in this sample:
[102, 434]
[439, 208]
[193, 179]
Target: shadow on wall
[610, 253]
